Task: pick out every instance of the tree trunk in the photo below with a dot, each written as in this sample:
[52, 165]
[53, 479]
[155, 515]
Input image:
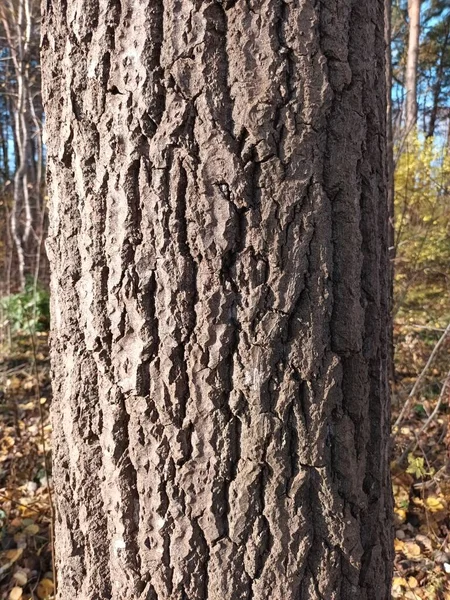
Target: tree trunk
[220, 293]
[437, 86]
[412, 64]
[390, 169]
[20, 31]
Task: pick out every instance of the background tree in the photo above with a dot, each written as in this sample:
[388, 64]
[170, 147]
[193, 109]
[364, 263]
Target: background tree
[435, 66]
[412, 64]
[220, 297]
[22, 156]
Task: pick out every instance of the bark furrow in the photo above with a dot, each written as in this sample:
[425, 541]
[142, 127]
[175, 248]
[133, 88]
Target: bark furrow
[220, 298]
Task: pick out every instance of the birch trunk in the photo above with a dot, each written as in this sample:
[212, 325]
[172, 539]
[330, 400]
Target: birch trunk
[412, 64]
[220, 294]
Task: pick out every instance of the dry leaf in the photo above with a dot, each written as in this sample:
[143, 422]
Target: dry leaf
[17, 522]
[425, 541]
[20, 577]
[399, 582]
[32, 529]
[45, 588]
[15, 593]
[412, 549]
[12, 555]
[412, 582]
[398, 545]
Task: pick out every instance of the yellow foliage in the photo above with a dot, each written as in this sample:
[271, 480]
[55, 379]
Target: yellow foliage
[422, 225]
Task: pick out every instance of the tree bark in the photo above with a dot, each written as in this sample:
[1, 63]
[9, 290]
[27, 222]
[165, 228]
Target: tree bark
[390, 169]
[220, 294]
[412, 64]
[437, 86]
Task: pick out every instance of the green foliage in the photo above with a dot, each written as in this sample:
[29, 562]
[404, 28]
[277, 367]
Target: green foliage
[28, 310]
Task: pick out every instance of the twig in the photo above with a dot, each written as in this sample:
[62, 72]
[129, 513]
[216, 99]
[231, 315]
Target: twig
[427, 423]
[423, 327]
[20, 504]
[412, 393]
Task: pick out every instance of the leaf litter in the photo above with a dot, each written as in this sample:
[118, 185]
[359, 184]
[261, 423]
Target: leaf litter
[25, 515]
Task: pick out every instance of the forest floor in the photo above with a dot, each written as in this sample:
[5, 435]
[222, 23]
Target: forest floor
[420, 463]
[420, 469]
[25, 515]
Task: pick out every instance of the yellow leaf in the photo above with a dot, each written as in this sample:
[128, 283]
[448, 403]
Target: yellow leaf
[15, 593]
[412, 549]
[398, 582]
[412, 582]
[398, 545]
[400, 516]
[45, 588]
[434, 504]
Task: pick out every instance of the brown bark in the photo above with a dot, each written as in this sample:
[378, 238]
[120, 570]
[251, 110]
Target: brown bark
[219, 246]
[412, 64]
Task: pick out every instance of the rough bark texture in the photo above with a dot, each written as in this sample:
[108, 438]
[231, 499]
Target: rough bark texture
[412, 64]
[218, 241]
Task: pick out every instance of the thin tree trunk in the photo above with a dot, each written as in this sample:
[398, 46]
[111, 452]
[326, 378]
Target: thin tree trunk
[220, 299]
[19, 25]
[437, 87]
[390, 165]
[412, 64]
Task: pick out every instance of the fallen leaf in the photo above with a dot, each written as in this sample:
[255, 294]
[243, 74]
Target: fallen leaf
[20, 577]
[398, 545]
[21, 540]
[45, 588]
[399, 582]
[32, 529]
[17, 522]
[15, 593]
[425, 541]
[435, 504]
[12, 555]
[441, 557]
[412, 549]
[400, 516]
